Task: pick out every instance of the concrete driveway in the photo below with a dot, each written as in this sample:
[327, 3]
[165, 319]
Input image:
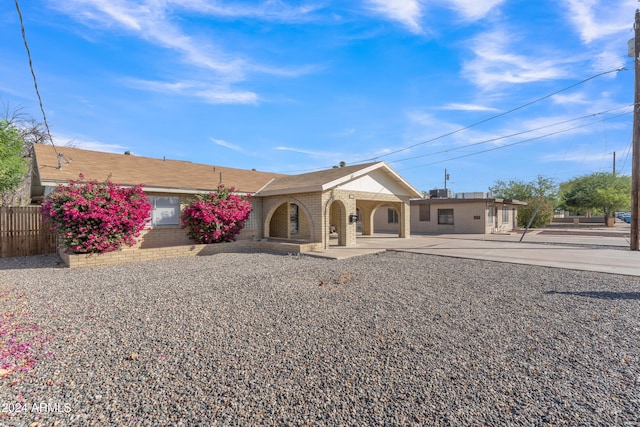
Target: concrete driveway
[590, 249]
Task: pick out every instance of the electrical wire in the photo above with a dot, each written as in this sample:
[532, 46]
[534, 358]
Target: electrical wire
[511, 135]
[496, 116]
[477, 123]
[508, 145]
[35, 81]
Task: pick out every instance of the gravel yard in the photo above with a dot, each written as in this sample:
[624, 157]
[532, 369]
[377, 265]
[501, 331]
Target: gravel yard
[259, 339]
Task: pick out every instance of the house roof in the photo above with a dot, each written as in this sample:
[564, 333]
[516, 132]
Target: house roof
[154, 174]
[331, 178]
[176, 176]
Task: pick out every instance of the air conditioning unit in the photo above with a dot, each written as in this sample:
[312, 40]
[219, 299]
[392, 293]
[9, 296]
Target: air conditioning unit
[440, 193]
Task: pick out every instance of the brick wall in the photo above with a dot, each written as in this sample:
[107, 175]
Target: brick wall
[279, 225]
[136, 255]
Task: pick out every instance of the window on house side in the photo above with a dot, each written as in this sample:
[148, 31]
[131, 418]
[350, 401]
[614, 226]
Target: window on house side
[505, 215]
[425, 213]
[445, 216]
[165, 210]
[491, 214]
[392, 216]
[252, 221]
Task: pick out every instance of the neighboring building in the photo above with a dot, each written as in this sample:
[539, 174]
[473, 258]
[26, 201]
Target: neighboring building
[306, 208]
[478, 214]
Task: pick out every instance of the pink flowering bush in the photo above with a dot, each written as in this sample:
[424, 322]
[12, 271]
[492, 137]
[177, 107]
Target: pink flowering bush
[96, 217]
[216, 217]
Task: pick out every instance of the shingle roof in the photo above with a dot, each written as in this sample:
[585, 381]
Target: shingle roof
[187, 177]
[330, 178]
[313, 179]
[153, 173]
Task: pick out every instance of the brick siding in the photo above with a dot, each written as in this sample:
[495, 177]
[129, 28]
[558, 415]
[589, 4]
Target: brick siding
[136, 255]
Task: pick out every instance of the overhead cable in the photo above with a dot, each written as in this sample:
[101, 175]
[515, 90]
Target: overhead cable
[512, 135]
[35, 82]
[494, 117]
[508, 145]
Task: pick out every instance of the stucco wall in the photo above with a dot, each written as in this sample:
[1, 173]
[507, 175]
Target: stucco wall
[381, 219]
[467, 218]
[471, 218]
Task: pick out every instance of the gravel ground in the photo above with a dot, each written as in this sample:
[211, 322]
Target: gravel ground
[389, 339]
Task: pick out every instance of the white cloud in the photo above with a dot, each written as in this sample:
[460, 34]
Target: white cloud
[473, 10]
[423, 119]
[222, 96]
[228, 145]
[212, 94]
[407, 12]
[269, 10]
[87, 144]
[494, 64]
[570, 99]
[466, 107]
[410, 12]
[301, 151]
[611, 57]
[328, 157]
[154, 22]
[598, 19]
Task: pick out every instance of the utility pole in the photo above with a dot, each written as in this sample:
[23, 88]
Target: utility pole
[614, 164]
[446, 178]
[635, 162]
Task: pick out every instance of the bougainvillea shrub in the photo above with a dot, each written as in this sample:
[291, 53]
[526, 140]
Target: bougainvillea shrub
[96, 217]
[216, 217]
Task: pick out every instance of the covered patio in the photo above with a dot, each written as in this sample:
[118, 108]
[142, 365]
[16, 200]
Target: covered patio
[328, 207]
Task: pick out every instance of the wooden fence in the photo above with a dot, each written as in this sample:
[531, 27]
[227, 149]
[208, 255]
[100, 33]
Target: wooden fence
[22, 232]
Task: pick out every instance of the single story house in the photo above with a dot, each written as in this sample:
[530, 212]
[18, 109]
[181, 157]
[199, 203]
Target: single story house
[481, 215]
[306, 208]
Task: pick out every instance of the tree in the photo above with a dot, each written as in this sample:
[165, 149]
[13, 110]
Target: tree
[600, 192]
[340, 165]
[30, 132]
[542, 218]
[13, 164]
[519, 190]
[542, 191]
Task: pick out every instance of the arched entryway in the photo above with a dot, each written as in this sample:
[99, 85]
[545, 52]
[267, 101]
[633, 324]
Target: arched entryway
[289, 220]
[337, 223]
[386, 219]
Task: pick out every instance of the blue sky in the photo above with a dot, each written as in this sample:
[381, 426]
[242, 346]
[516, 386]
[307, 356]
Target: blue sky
[296, 86]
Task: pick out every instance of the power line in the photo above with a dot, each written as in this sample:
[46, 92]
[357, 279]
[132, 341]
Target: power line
[478, 123]
[496, 116]
[35, 82]
[511, 135]
[508, 145]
